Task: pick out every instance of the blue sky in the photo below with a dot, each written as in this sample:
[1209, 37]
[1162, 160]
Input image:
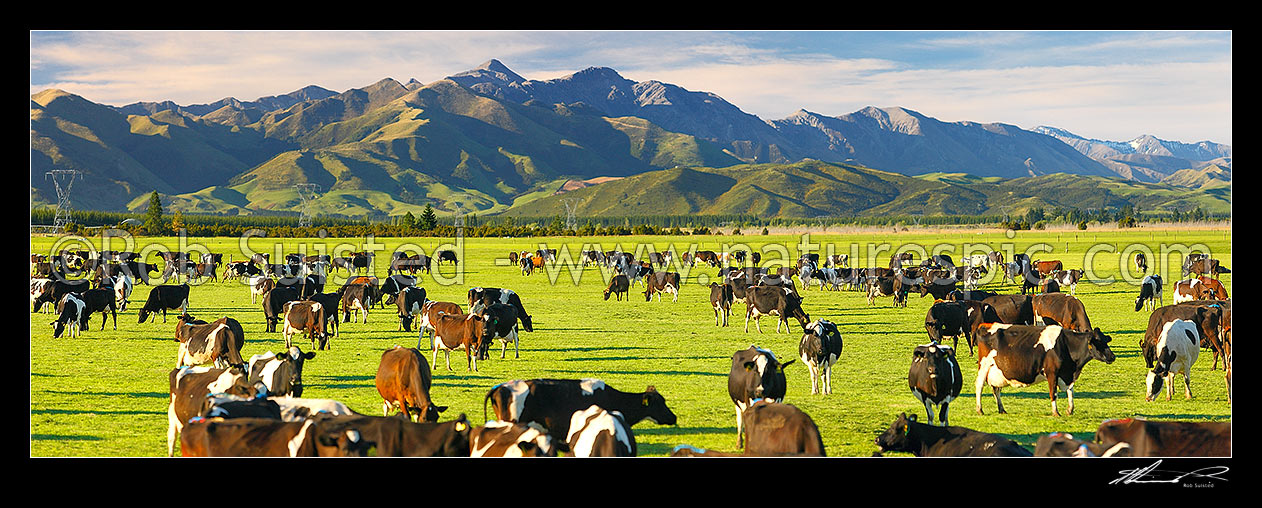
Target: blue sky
[1175, 85]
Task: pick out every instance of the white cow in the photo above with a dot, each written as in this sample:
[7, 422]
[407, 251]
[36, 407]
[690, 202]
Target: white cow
[1177, 350]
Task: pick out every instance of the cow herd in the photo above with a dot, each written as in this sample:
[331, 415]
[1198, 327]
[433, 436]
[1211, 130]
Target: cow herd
[223, 405]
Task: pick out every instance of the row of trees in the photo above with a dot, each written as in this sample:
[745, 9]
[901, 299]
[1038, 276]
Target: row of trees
[154, 222]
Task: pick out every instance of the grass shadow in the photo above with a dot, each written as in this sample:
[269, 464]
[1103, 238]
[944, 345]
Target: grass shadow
[588, 373]
[92, 412]
[150, 395]
[59, 437]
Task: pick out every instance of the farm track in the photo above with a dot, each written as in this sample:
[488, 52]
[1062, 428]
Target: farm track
[105, 394]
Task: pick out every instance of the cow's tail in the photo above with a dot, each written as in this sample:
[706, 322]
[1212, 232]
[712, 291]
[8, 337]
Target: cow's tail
[492, 391]
[238, 340]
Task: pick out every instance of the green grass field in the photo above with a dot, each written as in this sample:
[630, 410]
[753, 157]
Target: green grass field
[105, 394]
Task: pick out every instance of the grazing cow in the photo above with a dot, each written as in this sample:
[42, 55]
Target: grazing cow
[329, 301]
[1177, 350]
[837, 260]
[356, 300]
[274, 303]
[189, 387]
[996, 258]
[70, 313]
[1021, 355]
[773, 429]
[922, 440]
[1141, 262]
[410, 301]
[201, 342]
[776, 301]
[480, 298]
[54, 292]
[41, 292]
[429, 315]
[447, 255]
[1210, 321]
[306, 318]
[461, 331]
[162, 298]
[501, 324]
[721, 299]
[1060, 309]
[618, 286]
[281, 375]
[939, 288]
[1167, 439]
[738, 285]
[595, 432]
[99, 300]
[403, 381]
[756, 374]
[1065, 278]
[820, 349]
[1012, 309]
[706, 256]
[976, 260]
[1060, 444]
[240, 270]
[1149, 293]
[508, 439]
[935, 378]
[891, 285]
[662, 282]
[553, 402]
[953, 319]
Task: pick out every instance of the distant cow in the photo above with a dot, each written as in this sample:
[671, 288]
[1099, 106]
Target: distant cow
[891, 285]
[219, 342]
[618, 286]
[776, 301]
[410, 303]
[1177, 350]
[1047, 267]
[280, 374]
[447, 255]
[1068, 278]
[907, 435]
[162, 298]
[1141, 262]
[259, 286]
[1167, 439]
[356, 300]
[553, 402]
[1020, 355]
[820, 348]
[1149, 293]
[403, 381]
[756, 374]
[935, 378]
[330, 302]
[595, 432]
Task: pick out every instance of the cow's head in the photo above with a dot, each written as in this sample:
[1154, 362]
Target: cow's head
[896, 438]
[763, 373]
[935, 362]
[1098, 346]
[654, 406]
[287, 376]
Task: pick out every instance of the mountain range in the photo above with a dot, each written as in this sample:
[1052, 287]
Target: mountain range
[491, 141]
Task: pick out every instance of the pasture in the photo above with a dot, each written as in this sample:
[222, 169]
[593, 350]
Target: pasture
[104, 394]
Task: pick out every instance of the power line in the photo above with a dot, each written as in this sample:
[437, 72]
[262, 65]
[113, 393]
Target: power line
[62, 179]
[306, 193]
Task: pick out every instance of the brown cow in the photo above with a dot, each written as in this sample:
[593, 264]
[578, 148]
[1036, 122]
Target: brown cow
[776, 429]
[200, 342]
[461, 331]
[403, 380]
[662, 282]
[1167, 439]
[429, 315]
[618, 287]
[1209, 319]
[189, 387]
[305, 317]
[1046, 267]
[1060, 309]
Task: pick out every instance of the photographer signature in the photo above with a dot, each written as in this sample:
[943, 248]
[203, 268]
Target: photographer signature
[1151, 474]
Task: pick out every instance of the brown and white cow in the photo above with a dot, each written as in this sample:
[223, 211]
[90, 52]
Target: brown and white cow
[189, 387]
[306, 318]
[201, 342]
[259, 286]
[1047, 267]
[507, 439]
[596, 432]
[356, 300]
[403, 381]
[397, 437]
[454, 332]
[1167, 439]
[662, 282]
[721, 299]
[1021, 355]
[429, 315]
[618, 286]
[1060, 309]
[755, 374]
[280, 375]
[263, 437]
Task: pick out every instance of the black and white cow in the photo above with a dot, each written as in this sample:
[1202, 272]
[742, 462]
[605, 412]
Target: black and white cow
[935, 378]
[508, 439]
[274, 303]
[907, 435]
[756, 374]
[1149, 293]
[721, 299]
[553, 402]
[391, 287]
[410, 301]
[280, 374]
[502, 321]
[163, 298]
[776, 301]
[1177, 349]
[71, 312]
[595, 432]
[1068, 278]
[52, 292]
[480, 298]
[820, 349]
[99, 300]
[1021, 355]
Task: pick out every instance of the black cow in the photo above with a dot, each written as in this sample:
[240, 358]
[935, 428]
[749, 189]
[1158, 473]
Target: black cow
[330, 302]
[953, 319]
[274, 305]
[480, 298]
[939, 288]
[1021, 355]
[968, 294]
[552, 402]
[162, 298]
[1012, 309]
[907, 435]
[447, 255]
[772, 300]
[502, 319]
[618, 286]
[935, 378]
[756, 374]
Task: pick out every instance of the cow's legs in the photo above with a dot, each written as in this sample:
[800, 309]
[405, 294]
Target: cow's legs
[999, 402]
[447, 357]
[740, 432]
[942, 415]
[173, 429]
[928, 408]
[1051, 388]
[1187, 384]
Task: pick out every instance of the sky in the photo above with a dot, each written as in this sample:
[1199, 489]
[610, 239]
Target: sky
[1115, 86]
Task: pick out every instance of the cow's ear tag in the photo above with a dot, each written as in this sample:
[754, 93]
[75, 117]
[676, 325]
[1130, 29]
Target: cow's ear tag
[460, 426]
[644, 401]
[906, 427]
